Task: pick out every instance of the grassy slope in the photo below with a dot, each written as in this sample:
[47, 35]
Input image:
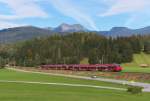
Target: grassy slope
[135, 65]
[140, 59]
[36, 92]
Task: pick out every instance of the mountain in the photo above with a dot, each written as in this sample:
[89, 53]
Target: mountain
[69, 28]
[49, 28]
[28, 32]
[124, 31]
[22, 33]
[145, 30]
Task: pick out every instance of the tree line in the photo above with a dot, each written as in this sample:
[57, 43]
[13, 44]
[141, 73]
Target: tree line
[72, 48]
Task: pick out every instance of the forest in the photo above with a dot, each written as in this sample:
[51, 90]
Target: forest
[72, 48]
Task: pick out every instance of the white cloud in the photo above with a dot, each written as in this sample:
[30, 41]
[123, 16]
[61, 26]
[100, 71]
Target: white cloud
[5, 24]
[125, 6]
[69, 9]
[22, 9]
[9, 17]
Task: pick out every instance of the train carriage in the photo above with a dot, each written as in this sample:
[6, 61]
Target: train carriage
[81, 67]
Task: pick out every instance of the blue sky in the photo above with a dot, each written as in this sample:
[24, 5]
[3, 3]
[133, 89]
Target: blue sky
[93, 14]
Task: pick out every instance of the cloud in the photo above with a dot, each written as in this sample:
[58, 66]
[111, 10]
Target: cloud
[5, 24]
[67, 8]
[22, 9]
[125, 6]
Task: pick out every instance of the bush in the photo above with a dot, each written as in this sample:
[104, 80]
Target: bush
[134, 89]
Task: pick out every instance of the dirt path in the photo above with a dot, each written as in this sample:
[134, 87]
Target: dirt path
[145, 85]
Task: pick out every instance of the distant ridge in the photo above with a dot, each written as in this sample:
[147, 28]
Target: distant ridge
[22, 33]
[125, 31]
[28, 32]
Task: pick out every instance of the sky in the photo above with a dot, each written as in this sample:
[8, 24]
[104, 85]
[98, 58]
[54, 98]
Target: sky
[92, 14]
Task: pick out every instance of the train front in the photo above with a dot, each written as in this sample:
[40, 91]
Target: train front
[117, 68]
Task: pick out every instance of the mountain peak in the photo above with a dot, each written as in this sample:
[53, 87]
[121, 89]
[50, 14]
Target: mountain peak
[119, 28]
[70, 28]
[64, 24]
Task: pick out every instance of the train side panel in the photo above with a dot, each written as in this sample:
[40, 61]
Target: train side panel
[75, 67]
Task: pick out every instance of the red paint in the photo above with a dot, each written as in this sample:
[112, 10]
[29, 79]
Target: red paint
[81, 67]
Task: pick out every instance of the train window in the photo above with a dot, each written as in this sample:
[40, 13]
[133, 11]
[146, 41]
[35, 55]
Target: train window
[117, 64]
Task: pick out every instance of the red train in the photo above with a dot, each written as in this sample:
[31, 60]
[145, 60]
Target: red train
[81, 67]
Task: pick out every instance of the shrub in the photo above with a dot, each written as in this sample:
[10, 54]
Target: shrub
[134, 89]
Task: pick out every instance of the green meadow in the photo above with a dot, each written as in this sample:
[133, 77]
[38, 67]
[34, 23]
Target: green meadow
[39, 92]
[138, 59]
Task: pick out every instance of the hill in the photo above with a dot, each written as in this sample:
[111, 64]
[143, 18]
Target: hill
[28, 32]
[125, 31]
[22, 33]
[140, 59]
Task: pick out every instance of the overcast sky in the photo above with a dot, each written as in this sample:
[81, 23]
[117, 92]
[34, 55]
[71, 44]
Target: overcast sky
[93, 14]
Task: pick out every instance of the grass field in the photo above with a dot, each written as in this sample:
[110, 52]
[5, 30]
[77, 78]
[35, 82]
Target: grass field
[38, 92]
[20, 76]
[135, 69]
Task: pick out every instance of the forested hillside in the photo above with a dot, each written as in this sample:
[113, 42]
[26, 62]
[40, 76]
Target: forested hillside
[72, 48]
